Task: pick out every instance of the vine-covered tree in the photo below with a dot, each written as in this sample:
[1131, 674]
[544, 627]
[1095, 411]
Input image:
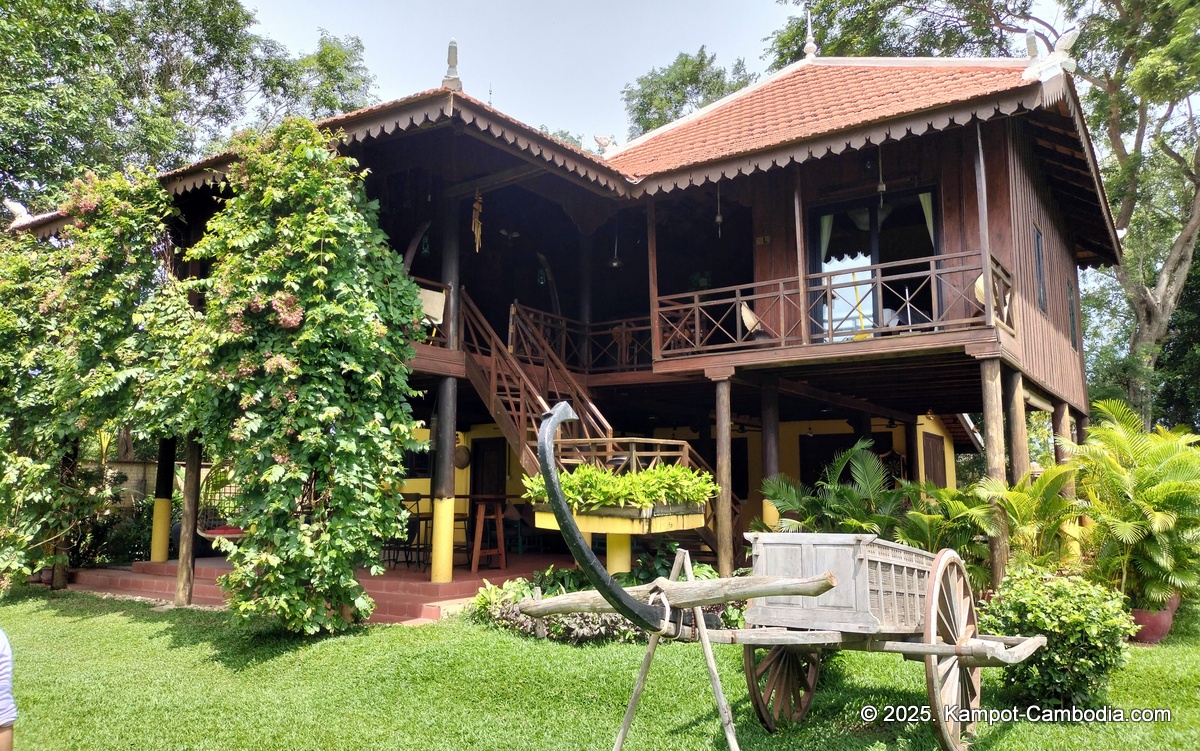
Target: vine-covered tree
[1140, 63]
[304, 346]
[687, 84]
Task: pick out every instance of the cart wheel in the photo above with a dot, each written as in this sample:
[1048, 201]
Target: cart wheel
[781, 681]
[950, 619]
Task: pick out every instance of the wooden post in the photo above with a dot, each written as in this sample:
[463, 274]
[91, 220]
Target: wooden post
[1018, 432]
[67, 469]
[770, 444]
[724, 530]
[912, 450]
[1060, 422]
[164, 489]
[441, 559]
[985, 242]
[993, 442]
[1060, 425]
[1081, 427]
[585, 297]
[185, 578]
[652, 259]
[618, 556]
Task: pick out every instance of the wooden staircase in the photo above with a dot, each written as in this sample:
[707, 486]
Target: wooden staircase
[520, 378]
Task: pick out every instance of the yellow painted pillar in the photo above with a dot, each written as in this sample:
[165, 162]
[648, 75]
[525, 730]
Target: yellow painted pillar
[770, 514]
[619, 557]
[160, 530]
[441, 568]
[587, 538]
[164, 489]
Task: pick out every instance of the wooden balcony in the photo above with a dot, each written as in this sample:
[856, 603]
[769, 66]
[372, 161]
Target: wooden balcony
[914, 296]
[605, 347]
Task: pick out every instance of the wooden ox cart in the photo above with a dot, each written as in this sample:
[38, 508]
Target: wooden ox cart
[889, 598]
[808, 593]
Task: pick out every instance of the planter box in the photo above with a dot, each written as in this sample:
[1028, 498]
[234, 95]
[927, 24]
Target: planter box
[627, 520]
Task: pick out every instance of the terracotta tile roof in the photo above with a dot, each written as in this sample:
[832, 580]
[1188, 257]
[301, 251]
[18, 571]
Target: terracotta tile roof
[814, 98]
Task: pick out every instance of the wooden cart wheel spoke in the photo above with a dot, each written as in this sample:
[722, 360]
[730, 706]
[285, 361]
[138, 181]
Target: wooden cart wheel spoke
[950, 619]
[781, 683]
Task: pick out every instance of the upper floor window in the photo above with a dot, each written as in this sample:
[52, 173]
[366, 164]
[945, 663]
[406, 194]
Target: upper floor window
[859, 249]
[1039, 267]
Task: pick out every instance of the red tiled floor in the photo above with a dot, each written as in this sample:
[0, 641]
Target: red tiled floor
[402, 595]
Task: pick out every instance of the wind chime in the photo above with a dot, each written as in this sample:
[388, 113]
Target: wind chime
[476, 222]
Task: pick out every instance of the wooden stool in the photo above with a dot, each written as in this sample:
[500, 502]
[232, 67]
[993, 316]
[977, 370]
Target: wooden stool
[484, 510]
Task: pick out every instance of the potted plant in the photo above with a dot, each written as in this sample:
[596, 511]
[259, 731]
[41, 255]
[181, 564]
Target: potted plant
[1142, 490]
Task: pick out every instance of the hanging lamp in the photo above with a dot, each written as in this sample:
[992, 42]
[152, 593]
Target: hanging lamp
[615, 262]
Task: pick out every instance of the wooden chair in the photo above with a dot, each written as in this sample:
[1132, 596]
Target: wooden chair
[755, 328]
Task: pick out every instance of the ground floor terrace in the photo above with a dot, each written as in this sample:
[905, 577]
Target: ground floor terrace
[402, 593]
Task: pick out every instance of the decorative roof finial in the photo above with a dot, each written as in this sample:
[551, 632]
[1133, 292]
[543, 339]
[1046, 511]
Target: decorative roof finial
[452, 81]
[810, 44]
[1058, 61]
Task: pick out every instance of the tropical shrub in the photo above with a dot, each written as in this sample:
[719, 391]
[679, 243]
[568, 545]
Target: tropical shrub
[590, 487]
[1043, 525]
[304, 345]
[917, 514]
[1142, 490]
[1085, 626]
[948, 518]
[870, 502]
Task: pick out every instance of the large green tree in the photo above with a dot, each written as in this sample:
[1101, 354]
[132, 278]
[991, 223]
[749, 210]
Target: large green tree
[1140, 63]
[687, 84]
[98, 85]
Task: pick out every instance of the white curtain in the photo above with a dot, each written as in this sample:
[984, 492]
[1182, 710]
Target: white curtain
[927, 206]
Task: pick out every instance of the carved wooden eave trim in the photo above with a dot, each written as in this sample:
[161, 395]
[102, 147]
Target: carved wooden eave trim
[1065, 91]
[906, 126]
[443, 105]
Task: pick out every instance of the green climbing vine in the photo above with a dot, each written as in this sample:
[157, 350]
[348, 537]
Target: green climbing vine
[308, 321]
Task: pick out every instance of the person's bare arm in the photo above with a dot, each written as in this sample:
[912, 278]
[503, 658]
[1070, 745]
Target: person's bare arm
[6, 738]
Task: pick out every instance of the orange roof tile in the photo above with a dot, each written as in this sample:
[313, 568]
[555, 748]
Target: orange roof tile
[814, 98]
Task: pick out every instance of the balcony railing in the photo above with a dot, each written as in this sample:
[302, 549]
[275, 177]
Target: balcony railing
[605, 347]
[935, 293]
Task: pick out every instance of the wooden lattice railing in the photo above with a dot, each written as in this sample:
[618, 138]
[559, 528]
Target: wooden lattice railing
[558, 383]
[604, 347]
[933, 293]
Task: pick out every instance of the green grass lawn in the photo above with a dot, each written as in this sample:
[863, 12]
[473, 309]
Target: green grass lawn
[95, 673]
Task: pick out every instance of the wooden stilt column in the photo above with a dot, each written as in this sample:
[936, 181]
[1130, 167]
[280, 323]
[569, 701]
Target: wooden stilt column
[912, 449]
[1060, 425]
[441, 568]
[993, 442]
[770, 444]
[1081, 427]
[724, 530]
[164, 488]
[1018, 431]
[585, 295]
[185, 578]
[442, 557]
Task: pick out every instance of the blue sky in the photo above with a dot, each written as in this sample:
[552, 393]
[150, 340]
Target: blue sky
[559, 64]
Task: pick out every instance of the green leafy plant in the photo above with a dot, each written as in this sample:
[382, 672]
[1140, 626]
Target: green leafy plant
[497, 606]
[1142, 490]
[1043, 524]
[948, 518]
[869, 502]
[304, 345]
[1085, 626]
[590, 487]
